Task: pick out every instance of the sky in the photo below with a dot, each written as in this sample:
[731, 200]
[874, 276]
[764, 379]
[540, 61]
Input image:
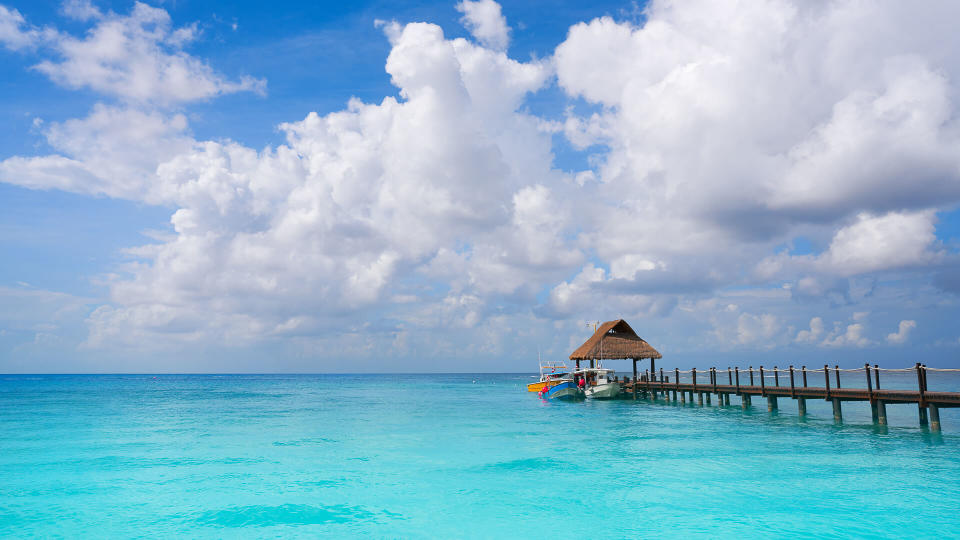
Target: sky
[190, 186]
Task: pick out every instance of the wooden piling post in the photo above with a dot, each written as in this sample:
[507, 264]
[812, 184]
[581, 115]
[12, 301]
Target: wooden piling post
[801, 407]
[719, 396]
[694, 373]
[881, 412]
[676, 381]
[700, 399]
[922, 405]
[771, 403]
[870, 396]
[934, 417]
[837, 412]
[634, 379]
[708, 398]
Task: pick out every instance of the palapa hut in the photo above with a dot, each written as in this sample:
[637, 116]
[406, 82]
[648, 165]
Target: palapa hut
[615, 340]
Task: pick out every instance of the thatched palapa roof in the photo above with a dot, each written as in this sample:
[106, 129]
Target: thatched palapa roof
[614, 340]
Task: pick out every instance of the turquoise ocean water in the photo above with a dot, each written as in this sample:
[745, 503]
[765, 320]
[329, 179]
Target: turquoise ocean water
[435, 456]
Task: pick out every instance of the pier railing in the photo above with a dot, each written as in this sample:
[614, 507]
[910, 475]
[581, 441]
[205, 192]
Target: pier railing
[802, 384]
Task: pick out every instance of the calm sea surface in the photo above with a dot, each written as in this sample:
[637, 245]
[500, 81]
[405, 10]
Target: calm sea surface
[452, 456]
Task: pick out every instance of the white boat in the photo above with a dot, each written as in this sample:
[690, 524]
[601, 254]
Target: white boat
[599, 383]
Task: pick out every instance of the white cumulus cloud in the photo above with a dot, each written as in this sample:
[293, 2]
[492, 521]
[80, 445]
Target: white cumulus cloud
[486, 22]
[717, 133]
[137, 58]
[903, 333]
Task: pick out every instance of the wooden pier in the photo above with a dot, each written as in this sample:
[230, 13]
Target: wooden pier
[799, 384]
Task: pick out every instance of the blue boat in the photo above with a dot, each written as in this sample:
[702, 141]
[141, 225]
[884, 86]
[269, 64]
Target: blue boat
[566, 391]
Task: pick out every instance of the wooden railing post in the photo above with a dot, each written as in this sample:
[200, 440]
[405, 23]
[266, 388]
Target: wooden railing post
[776, 377]
[826, 376]
[737, 371]
[876, 376]
[751, 375]
[920, 384]
[763, 386]
[730, 375]
[714, 369]
[866, 367]
[676, 378]
[694, 379]
[837, 371]
[793, 390]
[804, 376]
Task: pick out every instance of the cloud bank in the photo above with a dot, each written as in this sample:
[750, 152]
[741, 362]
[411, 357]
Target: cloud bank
[719, 133]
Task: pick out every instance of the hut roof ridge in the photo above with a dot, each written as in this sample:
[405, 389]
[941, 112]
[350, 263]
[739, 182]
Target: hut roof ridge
[614, 340]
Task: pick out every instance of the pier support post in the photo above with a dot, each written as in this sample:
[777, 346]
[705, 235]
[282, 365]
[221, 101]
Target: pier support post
[771, 403]
[801, 407]
[700, 399]
[837, 411]
[726, 399]
[708, 398]
[745, 401]
[634, 378]
[934, 417]
[882, 412]
[683, 396]
[922, 411]
[873, 412]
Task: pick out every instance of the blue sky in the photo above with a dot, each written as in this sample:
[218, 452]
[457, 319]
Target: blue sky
[409, 186]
